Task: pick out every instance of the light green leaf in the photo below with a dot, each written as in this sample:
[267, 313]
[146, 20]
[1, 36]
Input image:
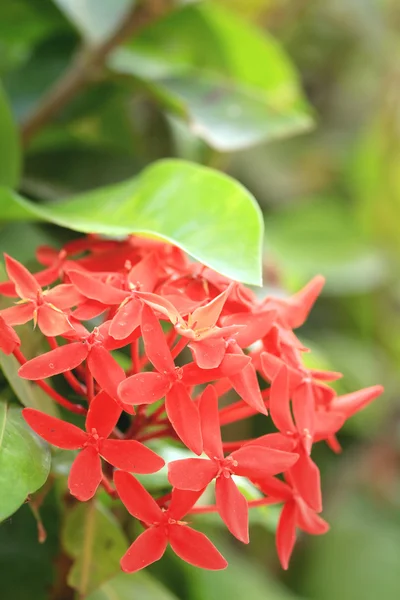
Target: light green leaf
[127, 587]
[93, 537]
[26, 391]
[95, 19]
[10, 163]
[206, 213]
[24, 460]
[232, 83]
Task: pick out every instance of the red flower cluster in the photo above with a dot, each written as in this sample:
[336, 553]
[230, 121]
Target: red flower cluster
[181, 326]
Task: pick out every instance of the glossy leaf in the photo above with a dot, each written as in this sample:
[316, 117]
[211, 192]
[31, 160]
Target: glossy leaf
[10, 162]
[24, 460]
[93, 538]
[222, 218]
[233, 84]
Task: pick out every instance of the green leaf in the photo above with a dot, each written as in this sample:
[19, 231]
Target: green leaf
[10, 163]
[24, 460]
[93, 537]
[206, 213]
[26, 391]
[127, 587]
[233, 84]
[95, 20]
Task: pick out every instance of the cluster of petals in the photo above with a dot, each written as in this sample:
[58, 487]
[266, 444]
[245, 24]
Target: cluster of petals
[199, 352]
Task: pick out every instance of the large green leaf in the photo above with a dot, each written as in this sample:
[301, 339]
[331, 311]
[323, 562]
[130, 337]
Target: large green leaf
[234, 84]
[93, 537]
[95, 20]
[126, 587]
[24, 460]
[10, 162]
[206, 213]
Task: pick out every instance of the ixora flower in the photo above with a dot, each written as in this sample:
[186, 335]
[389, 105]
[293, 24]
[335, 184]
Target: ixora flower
[176, 353]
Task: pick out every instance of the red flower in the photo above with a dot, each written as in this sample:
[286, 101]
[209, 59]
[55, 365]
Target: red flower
[44, 307]
[164, 527]
[9, 340]
[249, 461]
[86, 473]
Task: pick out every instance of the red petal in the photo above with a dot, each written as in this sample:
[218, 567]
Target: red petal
[106, 371]
[145, 550]
[286, 533]
[275, 440]
[327, 423]
[103, 414]
[94, 289]
[246, 385]
[306, 478]
[303, 410]
[137, 499]
[233, 508]
[257, 325]
[277, 489]
[191, 473]
[181, 502]
[309, 521]
[298, 306]
[85, 475]
[356, 401]
[155, 344]
[184, 417]
[56, 361]
[131, 456]
[89, 310]
[208, 353]
[210, 426]
[51, 321]
[126, 319]
[9, 340]
[231, 364]
[145, 273]
[279, 402]
[63, 296]
[26, 285]
[55, 431]
[271, 366]
[195, 548]
[143, 388]
[207, 316]
[256, 461]
[19, 314]
[162, 305]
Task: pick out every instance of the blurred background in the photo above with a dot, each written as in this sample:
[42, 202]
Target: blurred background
[330, 195]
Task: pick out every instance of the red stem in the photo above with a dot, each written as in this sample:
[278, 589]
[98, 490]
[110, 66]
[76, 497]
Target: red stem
[75, 408]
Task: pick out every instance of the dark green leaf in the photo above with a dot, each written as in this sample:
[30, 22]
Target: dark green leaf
[24, 460]
[126, 587]
[206, 213]
[234, 85]
[95, 540]
[10, 163]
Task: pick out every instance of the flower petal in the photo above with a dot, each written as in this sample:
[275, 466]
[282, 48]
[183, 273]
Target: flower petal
[207, 316]
[232, 507]
[9, 340]
[85, 475]
[184, 417]
[55, 431]
[145, 550]
[256, 461]
[181, 502]
[51, 321]
[210, 425]
[106, 371]
[126, 319]
[286, 533]
[26, 285]
[156, 347]
[137, 499]
[356, 401]
[131, 456]
[64, 358]
[195, 548]
[63, 296]
[309, 521]
[191, 473]
[303, 404]
[279, 402]
[208, 353]
[143, 388]
[257, 325]
[231, 365]
[18, 314]
[306, 478]
[92, 288]
[103, 414]
[245, 383]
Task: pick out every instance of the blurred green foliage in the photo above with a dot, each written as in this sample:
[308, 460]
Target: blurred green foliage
[220, 83]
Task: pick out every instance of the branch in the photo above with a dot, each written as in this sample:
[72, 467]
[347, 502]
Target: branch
[87, 62]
